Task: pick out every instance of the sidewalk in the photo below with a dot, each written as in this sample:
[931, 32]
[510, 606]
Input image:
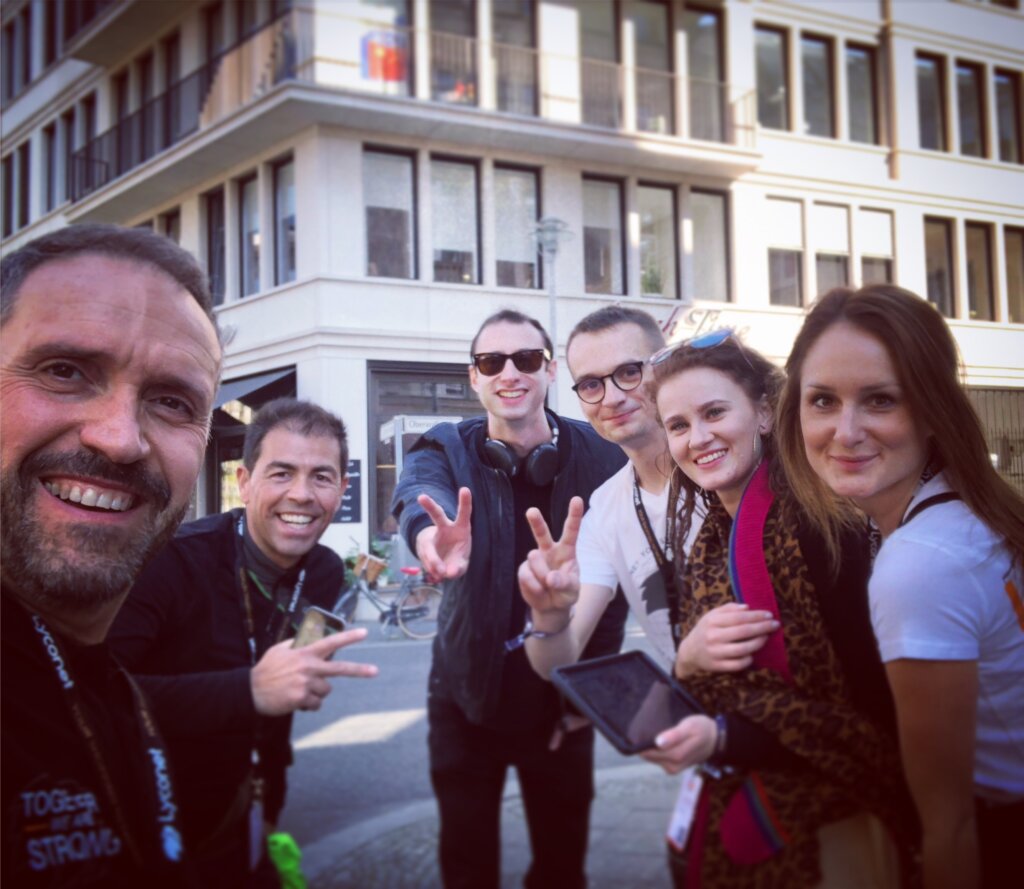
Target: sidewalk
[399, 850]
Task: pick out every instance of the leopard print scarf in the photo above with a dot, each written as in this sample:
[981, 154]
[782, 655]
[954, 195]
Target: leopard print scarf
[851, 764]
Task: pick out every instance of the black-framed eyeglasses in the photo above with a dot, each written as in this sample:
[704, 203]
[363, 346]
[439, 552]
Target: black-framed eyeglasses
[701, 341]
[626, 378]
[527, 361]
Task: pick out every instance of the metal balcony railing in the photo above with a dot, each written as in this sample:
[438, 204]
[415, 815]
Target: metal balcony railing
[380, 59]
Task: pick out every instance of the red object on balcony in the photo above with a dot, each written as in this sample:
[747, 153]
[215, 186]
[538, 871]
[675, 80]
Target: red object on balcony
[383, 56]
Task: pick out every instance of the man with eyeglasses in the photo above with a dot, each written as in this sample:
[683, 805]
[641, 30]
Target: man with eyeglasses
[486, 707]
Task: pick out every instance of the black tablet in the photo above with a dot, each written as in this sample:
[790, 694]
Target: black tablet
[627, 696]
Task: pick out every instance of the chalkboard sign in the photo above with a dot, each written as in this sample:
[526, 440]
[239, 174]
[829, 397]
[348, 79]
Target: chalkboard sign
[351, 509]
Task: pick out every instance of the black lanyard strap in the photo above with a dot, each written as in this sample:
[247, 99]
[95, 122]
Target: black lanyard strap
[663, 559]
[165, 808]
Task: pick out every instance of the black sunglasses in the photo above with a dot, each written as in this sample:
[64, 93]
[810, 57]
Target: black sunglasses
[626, 378]
[527, 361]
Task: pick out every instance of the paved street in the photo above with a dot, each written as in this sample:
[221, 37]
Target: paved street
[361, 807]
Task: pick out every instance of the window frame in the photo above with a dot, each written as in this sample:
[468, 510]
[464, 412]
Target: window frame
[947, 224]
[982, 110]
[411, 156]
[242, 184]
[673, 190]
[474, 164]
[830, 92]
[787, 86]
[726, 243]
[620, 184]
[989, 265]
[1014, 78]
[876, 120]
[537, 173]
[941, 75]
[275, 172]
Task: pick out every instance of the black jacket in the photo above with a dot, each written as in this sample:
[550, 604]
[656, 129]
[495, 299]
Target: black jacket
[469, 648]
[182, 631]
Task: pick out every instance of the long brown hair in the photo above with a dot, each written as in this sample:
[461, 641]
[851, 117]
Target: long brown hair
[925, 356]
[758, 378]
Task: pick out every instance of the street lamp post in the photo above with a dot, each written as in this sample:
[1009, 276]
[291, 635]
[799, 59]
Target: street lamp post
[548, 233]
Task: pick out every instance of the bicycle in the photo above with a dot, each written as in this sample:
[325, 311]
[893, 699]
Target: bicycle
[413, 609]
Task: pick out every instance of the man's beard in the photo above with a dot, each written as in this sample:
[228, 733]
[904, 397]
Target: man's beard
[91, 564]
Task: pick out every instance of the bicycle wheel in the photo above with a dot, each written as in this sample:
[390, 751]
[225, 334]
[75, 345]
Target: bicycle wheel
[417, 611]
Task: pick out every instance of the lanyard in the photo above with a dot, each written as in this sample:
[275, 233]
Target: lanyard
[246, 588]
[166, 814]
[663, 560]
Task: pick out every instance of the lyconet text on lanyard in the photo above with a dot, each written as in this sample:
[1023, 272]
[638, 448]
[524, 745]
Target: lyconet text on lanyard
[164, 807]
[663, 558]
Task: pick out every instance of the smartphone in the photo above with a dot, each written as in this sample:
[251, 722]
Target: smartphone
[317, 623]
[627, 696]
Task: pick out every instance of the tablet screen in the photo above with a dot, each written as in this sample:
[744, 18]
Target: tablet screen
[627, 696]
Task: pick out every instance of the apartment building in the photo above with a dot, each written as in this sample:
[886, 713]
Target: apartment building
[363, 180]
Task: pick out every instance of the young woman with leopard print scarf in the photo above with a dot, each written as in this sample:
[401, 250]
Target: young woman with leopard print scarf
[800, 737]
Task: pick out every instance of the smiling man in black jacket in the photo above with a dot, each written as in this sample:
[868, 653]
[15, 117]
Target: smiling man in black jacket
[207, 627]
[461, 502]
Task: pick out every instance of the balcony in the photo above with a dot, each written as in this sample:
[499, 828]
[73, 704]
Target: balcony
[97, 31]
[427, 84]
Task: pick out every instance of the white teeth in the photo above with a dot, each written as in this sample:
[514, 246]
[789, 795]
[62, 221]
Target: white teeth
[707, 458]
[91, 496]
[295, 518]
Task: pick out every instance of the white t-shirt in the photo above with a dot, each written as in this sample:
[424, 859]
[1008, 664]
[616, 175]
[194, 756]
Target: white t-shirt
[938, 592]
[612, 549]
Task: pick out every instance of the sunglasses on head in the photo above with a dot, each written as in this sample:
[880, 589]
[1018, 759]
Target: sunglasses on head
[527, 361]
[702, 341]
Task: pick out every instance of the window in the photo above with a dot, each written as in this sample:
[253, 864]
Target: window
[215, 243]
[831, 233]
[9, 71]
[455, 221]
[515, 57]
[516, 211]
[600, 83]
[249, 234]
[703, 29]
[172, 122]
[170, 225]
[971, 109]
[772, 79]
[88, 172]
[24, 183]
[938, 252]
[860, 94]
[49, 11]
[7, 167]
[931, 102]
[1008, 116]
[25, 45]
[785, 252]
[816, 58]
[67, 135]
[649, 21]
[658, 241]
[874, 237]
[390, 199]
[453, 51]
[146, 129]
[708, 213]
[603, 248]
[980, 298]
[285, 266]
[1015, 273]
[50, 161]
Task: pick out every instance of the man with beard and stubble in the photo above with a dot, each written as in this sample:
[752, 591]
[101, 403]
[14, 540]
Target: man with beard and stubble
[486, 708]
[209, 624]
[109, 368]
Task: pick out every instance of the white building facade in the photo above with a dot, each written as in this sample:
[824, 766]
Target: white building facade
[362, 179]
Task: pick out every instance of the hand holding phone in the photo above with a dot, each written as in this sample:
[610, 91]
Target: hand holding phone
[317, 623]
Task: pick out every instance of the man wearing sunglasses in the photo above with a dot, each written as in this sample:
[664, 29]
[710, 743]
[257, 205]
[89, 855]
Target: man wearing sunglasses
[487, 708]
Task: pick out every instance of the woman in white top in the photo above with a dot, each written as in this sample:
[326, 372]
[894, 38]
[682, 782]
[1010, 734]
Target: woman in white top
[873, 415]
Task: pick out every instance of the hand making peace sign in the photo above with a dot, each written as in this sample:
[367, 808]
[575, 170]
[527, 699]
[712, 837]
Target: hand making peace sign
[444, 547]
[549, 579]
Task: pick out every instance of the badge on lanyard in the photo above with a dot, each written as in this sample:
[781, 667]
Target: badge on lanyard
[686, 805]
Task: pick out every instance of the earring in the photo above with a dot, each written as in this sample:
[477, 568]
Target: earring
[758, 445]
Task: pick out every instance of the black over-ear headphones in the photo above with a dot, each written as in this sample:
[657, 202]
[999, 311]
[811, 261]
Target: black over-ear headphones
[540, 466]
